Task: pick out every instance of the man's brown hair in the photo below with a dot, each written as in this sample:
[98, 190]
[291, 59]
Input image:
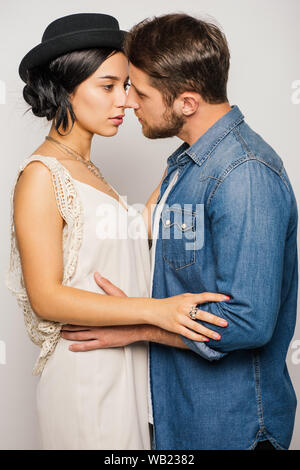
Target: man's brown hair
[181, 53]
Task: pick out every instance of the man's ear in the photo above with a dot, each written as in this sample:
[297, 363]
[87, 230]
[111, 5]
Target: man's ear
[188, 103]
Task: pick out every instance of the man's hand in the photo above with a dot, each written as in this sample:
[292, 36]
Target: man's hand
[101, 337]
[95, 337]
[108, 286]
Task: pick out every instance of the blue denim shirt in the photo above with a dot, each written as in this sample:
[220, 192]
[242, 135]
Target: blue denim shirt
[229, 225]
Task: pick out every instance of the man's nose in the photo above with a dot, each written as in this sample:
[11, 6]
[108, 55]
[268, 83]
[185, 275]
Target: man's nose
[131, 102]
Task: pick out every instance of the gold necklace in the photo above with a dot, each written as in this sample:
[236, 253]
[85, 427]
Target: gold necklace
[90, 165]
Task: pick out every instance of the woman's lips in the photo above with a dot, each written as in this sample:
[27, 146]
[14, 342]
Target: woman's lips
[117, 120]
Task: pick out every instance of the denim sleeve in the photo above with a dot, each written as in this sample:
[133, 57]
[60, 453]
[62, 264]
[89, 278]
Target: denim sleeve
[249, 219]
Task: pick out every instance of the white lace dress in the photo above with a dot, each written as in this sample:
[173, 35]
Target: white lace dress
[94, 399]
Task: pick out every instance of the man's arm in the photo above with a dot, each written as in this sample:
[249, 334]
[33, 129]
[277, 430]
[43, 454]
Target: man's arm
[93, 337]
[158, 335]
[116, 336]
[111, 337]
[150, 205]
[249, 216]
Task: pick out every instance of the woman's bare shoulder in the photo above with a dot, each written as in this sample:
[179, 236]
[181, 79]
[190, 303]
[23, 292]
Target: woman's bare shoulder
[34, 194]
[34, 186]
[34, 173]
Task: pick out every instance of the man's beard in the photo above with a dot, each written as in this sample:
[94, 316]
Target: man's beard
[171, 126]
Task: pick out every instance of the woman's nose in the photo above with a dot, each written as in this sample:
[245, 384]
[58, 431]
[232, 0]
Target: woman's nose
[130, 101]
[121, 99]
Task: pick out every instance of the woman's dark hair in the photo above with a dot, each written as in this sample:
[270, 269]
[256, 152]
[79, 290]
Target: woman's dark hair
[181, 53]
[48, 86]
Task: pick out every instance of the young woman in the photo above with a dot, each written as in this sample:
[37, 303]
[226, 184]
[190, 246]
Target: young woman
[67, 223]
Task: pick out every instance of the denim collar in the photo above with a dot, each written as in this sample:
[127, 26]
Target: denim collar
[205, 145]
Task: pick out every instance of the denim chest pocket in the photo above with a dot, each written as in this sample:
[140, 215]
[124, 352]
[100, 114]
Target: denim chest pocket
[178, 237]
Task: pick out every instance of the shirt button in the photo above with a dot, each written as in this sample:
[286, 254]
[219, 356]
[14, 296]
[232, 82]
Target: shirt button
[183, 226]
[168, 222]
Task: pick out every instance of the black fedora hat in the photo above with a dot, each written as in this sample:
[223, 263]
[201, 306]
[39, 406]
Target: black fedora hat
[71, 33]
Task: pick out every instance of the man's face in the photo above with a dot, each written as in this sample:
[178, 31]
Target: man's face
[158, 121]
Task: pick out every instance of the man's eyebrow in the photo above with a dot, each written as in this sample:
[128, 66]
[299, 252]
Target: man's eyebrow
[137, 90]
[113, 77]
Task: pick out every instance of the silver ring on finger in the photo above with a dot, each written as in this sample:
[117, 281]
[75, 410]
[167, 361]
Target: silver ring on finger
[193, 312]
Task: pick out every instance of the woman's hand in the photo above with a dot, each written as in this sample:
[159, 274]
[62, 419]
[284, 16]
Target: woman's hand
[172, 313]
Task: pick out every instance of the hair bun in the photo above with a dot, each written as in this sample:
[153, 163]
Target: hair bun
[43, 93]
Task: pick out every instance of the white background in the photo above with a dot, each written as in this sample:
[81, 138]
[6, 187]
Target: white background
[264, 40]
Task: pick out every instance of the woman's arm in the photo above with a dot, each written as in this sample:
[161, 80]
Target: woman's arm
[38, 226]
[147, 212]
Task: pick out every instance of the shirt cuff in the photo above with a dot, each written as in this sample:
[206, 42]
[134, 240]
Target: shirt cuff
[203, 350]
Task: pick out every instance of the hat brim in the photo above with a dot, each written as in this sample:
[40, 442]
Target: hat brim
[63, 44]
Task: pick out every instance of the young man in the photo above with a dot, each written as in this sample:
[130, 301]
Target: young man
[226, 221]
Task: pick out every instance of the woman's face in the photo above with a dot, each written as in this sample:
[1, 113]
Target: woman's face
[99, 101]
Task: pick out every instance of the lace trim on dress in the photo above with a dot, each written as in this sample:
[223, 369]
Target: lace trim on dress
[46, 333]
